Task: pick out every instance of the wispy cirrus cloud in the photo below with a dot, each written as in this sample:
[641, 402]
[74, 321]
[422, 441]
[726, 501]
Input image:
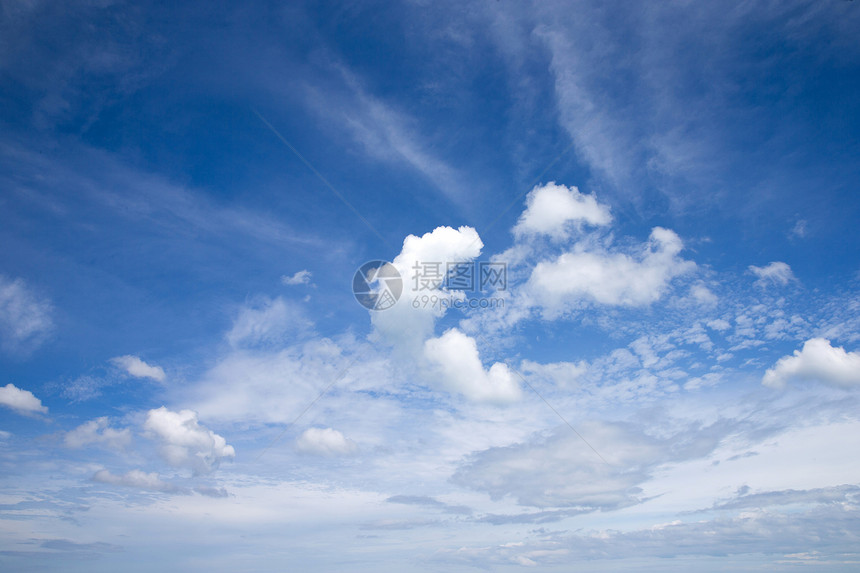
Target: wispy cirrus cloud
[25, 318]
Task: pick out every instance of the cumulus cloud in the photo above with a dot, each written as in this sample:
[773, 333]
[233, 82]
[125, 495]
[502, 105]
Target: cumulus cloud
[137, 479]
[776, 273]
[325, 442]
[22, 401]
[616, 279]
[554, 209]
[184, 442]
[404, 325]
[98, 432]
[268, 321]
[817, 361]
[25, 319]
[137, 368]
[302, 277]
[455, 356]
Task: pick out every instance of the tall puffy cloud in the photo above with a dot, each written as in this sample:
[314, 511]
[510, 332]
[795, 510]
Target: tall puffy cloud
[455, 356]
[817, 361]
[602, 277]
[406, 325]
[25, 319]
[553, 209]
[22, 401]
[184, 442]
[137, 368]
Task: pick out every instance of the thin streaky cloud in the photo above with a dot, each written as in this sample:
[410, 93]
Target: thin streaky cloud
[320, 177]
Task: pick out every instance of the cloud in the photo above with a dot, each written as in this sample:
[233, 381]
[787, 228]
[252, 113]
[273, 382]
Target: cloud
[455, 356]
[325, 442]
[210, 491]
[703, 295]
[386, 133]
[272, 386]
[825, 495]
[561, 374]
[22, 401]
[267, 322]
[562, 471]
[426, 501]
[776, 273]
[25, 319]
[800, 228]
[553, 209]
[405, 325]
[302, 277]
[719, 324]
[98, 432]
[615, 279]
[137, 479]
[137, 368]
[184, 442]
[828, 530]
[817, 361]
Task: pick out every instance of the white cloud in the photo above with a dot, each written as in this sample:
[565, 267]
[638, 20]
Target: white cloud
[703, 295]
[443, 244]
[25, 319]
[562, 471]
[800, 228]
[404, 325]
[325, 442]
[98, 432]
[22, 401]
[302, 277]
[455, 355]
[269, 321]
[184, 442]
[136, 367]
[616, 279]
[386, 133]
[553, 209]
[561, 374]
[136, 479]
[817, 361]
[777, 272]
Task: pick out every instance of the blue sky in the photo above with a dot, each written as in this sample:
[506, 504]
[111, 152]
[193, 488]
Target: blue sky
[667, 380]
